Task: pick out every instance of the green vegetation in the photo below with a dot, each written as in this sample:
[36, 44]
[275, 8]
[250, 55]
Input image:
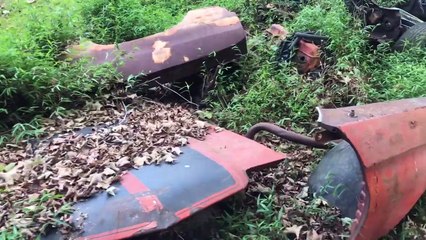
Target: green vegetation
[281, 94]
[33, 36]
[262, 222]
[360, 74]
[37, 206]
[390, 3]
[34, 82]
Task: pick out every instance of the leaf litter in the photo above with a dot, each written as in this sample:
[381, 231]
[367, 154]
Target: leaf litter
[305, 217]
[39, 180]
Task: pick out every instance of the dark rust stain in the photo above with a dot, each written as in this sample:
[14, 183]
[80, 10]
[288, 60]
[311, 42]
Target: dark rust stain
[379, 136]
[413, 124]
[396, 139]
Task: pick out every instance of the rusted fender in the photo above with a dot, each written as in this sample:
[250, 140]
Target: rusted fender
[390, 141]
[207, 36]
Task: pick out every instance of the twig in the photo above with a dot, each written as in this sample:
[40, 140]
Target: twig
[5, 132]
[125, 114]
[179, 235]
[145, 99]
[173, 91]
[145, 83]
[210, 79]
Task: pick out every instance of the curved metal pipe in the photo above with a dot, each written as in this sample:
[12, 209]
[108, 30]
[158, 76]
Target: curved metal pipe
[285, 134]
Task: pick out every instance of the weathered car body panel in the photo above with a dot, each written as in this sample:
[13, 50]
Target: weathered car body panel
[205, 38]
[154, 198]
[390, 141]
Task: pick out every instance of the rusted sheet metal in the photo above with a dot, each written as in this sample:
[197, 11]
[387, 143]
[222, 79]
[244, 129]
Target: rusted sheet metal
[390, 141]
[156, 197]
[207, 36]
[308, 57]
[330, 118]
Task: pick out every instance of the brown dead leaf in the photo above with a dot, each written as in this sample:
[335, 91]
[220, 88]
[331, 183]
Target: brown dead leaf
[169, 158]
[261, 188]
[79, 165]
[45, 175]
[72, 154]
[28, 233]
[108, 172]
[313, 235]
[119, 128]
[111, 191]
[304, 193]
[123, 162]
[140, 161]
[59, 140]
[95, 179]
[77, 172]
[80, 119]
[103, 184]
[176, 151]
[277, 30]
[64, 172]
[10, 176]
[182, 141]
[294, 230]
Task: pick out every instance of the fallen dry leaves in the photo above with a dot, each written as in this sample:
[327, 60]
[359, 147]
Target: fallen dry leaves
[296, 230]
[305, 217]
[313, 235]
[78, 161]
[277, 30]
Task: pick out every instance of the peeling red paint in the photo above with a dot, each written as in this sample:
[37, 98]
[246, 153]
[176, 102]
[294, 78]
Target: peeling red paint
[132, 184]
[150, 203]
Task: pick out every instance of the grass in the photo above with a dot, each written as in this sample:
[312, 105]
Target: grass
[360, 74]
[37, 208]
[32, 80]
[278, 93]
[264, 221]
[34, 83]
[390, 3]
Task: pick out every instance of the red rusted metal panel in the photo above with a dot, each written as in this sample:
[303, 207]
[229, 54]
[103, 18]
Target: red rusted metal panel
[205, 38]
[308, 57]
[154, 198]
[390, 140]
[235, 152]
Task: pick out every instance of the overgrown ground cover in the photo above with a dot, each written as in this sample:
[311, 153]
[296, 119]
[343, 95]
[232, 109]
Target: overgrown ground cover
[35, 83]
[360, 75]
[34, 36]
